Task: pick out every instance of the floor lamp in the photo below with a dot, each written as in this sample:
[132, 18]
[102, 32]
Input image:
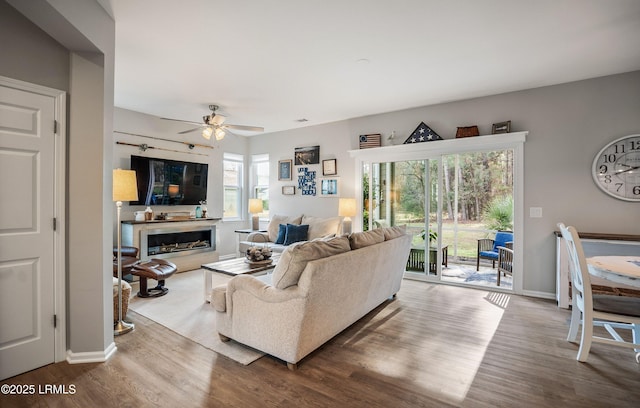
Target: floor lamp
[347, 209]
[125, 188]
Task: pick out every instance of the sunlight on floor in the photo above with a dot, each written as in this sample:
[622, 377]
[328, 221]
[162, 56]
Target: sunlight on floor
[444, 370]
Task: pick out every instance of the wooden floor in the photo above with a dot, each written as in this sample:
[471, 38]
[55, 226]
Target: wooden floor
[434, 346]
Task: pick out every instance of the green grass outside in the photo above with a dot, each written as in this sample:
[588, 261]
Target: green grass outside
[468, 235]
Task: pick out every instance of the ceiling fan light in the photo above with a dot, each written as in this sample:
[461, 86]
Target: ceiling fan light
[219, 134]
[217, 120]
[207, 132]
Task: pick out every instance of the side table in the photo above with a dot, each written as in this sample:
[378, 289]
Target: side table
[416, 259]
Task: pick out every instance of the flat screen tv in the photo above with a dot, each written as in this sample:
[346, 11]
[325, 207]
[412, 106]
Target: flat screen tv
[169, 182]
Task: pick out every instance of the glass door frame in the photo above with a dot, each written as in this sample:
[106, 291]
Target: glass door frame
[434, 151]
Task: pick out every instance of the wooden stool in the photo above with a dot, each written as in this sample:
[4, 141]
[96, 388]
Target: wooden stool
[157, 269]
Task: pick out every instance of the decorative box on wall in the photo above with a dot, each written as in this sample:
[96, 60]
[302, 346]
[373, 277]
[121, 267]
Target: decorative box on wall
[368, 141]
[467, 131]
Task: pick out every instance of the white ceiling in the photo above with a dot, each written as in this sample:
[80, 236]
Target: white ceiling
[270, 63]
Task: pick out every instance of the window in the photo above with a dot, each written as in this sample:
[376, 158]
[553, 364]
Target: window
[260, 181]
[232, 180]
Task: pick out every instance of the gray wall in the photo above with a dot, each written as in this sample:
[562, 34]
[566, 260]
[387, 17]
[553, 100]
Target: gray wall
[76, 55]
[567, 124]
[29, 54]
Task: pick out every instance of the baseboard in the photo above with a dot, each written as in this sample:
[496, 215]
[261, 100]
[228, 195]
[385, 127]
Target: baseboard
[91, 356]
[543, 295]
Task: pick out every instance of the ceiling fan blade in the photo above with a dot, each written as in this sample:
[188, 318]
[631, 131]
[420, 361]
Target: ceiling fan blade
[243, 127]
[183, 121]
[188, 131]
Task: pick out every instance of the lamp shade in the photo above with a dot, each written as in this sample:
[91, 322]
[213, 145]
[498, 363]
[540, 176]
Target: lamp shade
[207, 132]
[125, 187]
[173, 190]
[255, 205]
[347, 207]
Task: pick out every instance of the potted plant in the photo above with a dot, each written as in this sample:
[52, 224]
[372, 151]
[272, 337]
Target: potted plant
[433, 236]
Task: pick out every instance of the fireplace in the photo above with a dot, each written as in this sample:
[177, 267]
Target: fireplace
[178, 241]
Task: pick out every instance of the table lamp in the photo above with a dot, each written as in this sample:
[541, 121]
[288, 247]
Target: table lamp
[347, 209]
[255, 208]
[125, 188]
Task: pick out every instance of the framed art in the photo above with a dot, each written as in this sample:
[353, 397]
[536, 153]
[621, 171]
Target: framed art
[501, 127]
[307, 181]
[307, 155]
[288, 190]
[329, 187]
[329, 167]
[284, 169]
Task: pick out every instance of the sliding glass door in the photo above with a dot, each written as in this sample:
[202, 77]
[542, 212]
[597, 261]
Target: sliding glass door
[447, 203]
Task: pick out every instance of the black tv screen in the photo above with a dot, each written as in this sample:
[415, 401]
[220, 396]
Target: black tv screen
[169, 182]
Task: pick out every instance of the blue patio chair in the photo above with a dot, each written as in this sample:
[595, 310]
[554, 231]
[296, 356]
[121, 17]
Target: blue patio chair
[488, 248]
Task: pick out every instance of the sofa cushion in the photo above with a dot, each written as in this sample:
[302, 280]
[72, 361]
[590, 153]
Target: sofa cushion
[394, 232]
[275, 222]
[282, 233]
[363, 239]
[321, 227]
[295, 258]
[295, 233]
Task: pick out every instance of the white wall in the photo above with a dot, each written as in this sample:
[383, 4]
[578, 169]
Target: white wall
[567, 125]
[126, 121]
[334, 140]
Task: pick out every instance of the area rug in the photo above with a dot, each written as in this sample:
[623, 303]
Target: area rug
[184, 311]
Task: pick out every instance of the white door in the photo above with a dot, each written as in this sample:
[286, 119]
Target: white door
[27, 173]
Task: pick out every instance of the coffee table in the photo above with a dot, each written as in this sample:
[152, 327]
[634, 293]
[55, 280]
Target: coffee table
[236, 266]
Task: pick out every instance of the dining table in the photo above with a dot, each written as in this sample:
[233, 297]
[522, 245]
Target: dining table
[619, 269]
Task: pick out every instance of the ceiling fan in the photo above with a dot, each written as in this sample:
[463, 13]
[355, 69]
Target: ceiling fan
[213, 124]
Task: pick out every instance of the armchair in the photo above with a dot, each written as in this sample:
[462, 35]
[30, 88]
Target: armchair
[488, 248]
[129, 259]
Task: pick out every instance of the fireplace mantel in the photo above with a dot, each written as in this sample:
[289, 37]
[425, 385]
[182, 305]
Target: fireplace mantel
[138, 233]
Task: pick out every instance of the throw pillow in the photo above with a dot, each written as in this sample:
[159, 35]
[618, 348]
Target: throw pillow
[321, 227]
[295, 258]
[394, 232]
[282, 232]
[275, 222]
[363, 239]
[295, 233]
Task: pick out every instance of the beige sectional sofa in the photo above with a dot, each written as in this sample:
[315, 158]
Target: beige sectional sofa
[318, 289]
[318, 228]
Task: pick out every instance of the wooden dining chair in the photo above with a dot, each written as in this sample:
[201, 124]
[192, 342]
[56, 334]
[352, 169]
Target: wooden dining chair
[588, 310]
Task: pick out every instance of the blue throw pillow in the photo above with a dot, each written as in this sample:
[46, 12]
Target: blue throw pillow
[296, 233]
[282, 232]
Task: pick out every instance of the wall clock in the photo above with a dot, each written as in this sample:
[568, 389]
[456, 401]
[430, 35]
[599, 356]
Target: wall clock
[616, 168]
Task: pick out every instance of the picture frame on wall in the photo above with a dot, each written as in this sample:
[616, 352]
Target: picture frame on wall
[329, 187]
[307, 155]
[329, 167]
[501, 127]
[285, 169]
[288, 190]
